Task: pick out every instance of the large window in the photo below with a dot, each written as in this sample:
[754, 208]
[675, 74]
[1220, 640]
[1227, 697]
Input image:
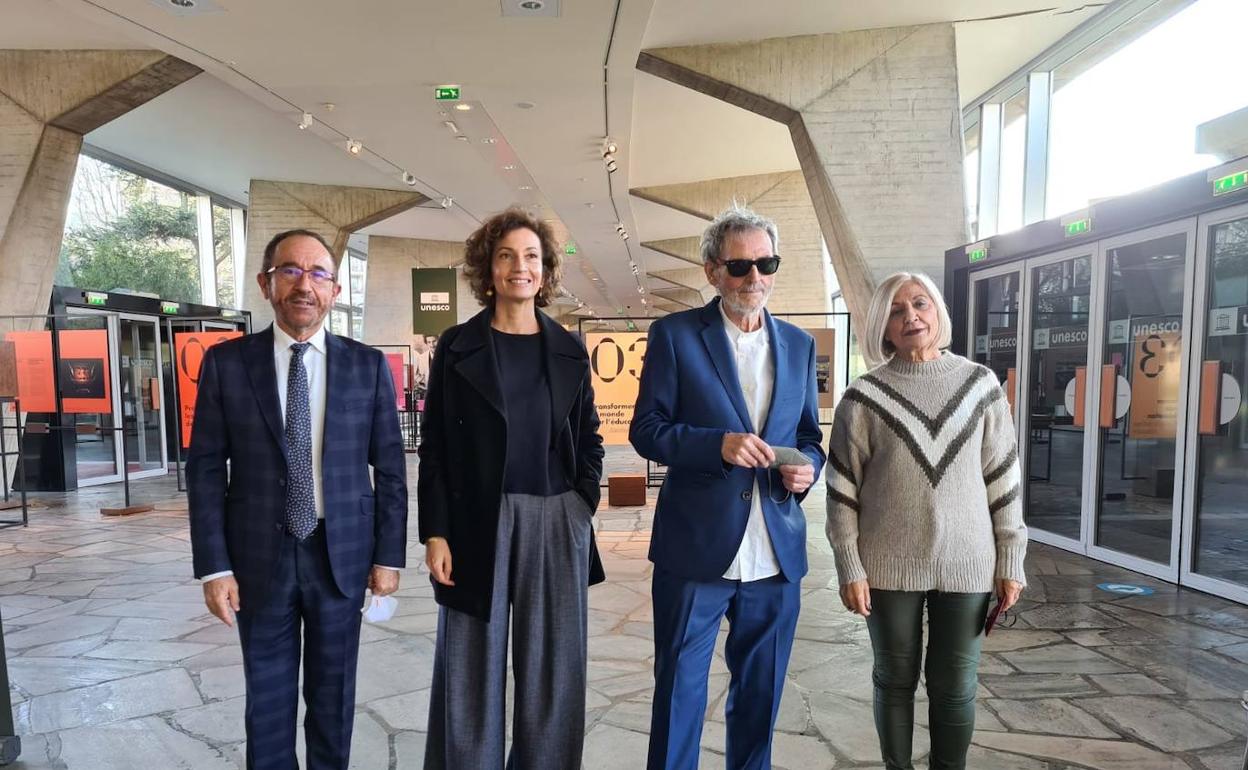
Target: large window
[1115, 109]
[347, 316]
[1129, 121]
[125, 231]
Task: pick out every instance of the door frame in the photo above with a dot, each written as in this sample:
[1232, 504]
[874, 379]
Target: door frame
[1200, 318]
[1168, 572]
[163, 470]
[1093, 252]
[983, 275]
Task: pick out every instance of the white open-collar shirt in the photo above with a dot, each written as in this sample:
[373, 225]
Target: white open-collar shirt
[756, 558]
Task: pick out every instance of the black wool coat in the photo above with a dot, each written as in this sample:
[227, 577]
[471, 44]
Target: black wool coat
[463, 449]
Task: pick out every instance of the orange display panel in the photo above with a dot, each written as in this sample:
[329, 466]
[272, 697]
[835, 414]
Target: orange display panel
[188, 357]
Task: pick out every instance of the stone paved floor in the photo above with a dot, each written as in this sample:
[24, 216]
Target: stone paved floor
[116, 664]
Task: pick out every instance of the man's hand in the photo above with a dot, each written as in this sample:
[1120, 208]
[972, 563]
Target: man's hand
[438, 559]
[746, 450]
[382, 581]
[221, 596]
[797, 478]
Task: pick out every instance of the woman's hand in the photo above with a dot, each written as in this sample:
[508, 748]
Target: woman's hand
[438, 559]
[1008, 592]
[856, 597]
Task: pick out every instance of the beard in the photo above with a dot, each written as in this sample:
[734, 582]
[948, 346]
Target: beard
[734, 301]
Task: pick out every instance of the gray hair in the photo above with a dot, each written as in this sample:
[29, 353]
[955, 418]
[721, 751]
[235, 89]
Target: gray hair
[735, 219]
[875, 348]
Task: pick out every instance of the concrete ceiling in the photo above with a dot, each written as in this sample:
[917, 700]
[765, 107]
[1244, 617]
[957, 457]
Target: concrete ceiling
[377, 64]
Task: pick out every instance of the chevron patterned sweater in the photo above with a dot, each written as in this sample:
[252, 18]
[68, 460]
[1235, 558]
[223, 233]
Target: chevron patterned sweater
[923, 479]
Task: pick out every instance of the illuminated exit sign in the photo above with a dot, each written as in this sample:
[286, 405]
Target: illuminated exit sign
[446, 93]
[1230, 183]
[977, 255]
[170, 308]
[1078, 227]
[96, 298]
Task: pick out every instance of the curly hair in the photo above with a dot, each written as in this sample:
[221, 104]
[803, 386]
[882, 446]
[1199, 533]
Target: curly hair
[479, 255]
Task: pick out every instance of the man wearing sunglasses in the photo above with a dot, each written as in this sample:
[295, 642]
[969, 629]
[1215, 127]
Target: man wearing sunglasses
[287, 530]
[721, 386]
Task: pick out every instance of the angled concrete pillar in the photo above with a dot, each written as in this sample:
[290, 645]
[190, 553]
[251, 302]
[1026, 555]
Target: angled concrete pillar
[332, 211]
[875, 119]
[805, 283]
[48, 101]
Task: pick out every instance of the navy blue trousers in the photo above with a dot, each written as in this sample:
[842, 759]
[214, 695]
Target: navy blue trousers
[762, 616]
[305, 610]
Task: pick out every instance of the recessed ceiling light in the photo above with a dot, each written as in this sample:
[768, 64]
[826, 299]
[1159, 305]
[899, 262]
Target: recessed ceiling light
[526, 187]
[488, 140]
[532, 5]
[354, 146]
[462, 138]
[525, 105]
[463, 107]
[509, 167]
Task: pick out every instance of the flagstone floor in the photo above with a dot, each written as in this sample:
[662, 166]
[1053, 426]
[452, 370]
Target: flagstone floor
[115, 663]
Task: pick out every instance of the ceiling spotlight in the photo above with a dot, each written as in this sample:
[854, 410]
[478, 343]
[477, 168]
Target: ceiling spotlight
[447, 202]
[306, 122]
[462, 138]
[526, 187]
[643, 300]
[509, 167]
[409, 179]
[609, 147]
[641, 289]
[354, 146]
[463, 106]
[488, 140]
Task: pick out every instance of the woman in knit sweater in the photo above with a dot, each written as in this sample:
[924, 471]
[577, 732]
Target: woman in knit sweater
[923, 509]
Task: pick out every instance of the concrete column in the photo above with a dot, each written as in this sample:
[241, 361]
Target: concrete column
[805, 282]
[48, 101]
[388, 291]
[875, 119]
[332, 211]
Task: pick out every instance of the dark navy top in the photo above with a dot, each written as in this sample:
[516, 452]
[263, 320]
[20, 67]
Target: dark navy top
[533, 465]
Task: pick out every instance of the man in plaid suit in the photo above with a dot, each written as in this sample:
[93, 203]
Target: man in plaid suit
[287, 529]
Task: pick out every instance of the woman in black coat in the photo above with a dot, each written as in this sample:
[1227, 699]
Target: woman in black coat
[510, 462]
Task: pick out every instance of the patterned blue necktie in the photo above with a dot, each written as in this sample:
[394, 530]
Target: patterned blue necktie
[300, 501]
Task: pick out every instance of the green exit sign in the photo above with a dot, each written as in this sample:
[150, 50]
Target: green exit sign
[570, 248]
[1230, 183]
[446, 93]
[96, 298]
[977, 255]
[1078, 227]
[171, 308]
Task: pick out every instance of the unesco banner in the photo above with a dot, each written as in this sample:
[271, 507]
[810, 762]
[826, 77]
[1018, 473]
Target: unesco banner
[433, 300]
[615, 360]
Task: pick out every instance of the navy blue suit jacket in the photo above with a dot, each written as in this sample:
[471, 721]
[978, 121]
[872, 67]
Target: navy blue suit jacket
[237, 510]
[690, 397]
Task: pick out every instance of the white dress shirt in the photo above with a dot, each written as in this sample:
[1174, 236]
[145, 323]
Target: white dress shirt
[755, 559]
[314, 363]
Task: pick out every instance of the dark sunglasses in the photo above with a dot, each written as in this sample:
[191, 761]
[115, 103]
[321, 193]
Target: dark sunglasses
[740, 268]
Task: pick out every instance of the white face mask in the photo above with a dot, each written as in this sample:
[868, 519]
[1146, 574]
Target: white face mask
[380, 609]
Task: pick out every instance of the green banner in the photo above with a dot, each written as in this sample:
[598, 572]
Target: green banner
[433, 300]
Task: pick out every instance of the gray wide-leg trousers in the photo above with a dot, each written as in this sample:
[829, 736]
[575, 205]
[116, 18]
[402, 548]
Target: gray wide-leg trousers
[541, 572]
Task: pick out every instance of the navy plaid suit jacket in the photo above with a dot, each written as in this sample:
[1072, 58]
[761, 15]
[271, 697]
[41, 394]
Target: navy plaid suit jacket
[236, 468]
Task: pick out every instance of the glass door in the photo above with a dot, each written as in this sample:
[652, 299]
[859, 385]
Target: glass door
[995, 326]
[141, 395]
[87, 353]
[1215, 527]
[1141, 398]
[1059, 289]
